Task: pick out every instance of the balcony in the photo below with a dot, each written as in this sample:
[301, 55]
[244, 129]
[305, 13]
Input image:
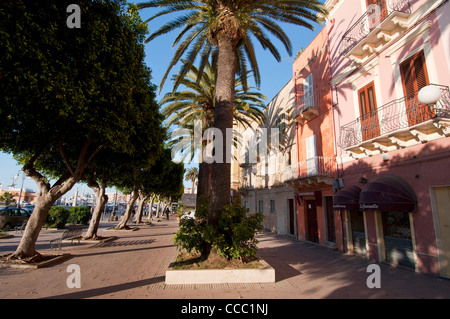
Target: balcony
[311, 173]
[397, 124]
[382, 22]
[307, 106]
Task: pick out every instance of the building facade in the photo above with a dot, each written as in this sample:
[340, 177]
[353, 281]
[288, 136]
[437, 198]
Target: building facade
[270, 160]
[316, 166]
[392, 149]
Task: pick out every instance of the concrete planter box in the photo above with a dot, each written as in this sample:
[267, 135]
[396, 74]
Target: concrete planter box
[221, 276]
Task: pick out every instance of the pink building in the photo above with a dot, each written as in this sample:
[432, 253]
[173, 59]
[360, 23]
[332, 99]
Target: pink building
[393, 152]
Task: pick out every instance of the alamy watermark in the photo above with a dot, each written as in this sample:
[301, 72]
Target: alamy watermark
[74, 19]
[374, 279]
[211, 146]
[74, 279]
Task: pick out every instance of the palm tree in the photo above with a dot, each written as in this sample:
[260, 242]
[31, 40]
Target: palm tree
[191, 175]
[196, 103]
[229, 26]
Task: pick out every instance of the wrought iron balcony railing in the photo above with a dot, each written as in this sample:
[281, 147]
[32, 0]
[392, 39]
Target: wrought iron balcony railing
[396, 115]
[376, 13]
[313, 167]
[307, 101]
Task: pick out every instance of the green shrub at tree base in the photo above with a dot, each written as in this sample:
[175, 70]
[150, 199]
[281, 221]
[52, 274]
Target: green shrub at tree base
[79, 215]
[232, 238]
[57, 217]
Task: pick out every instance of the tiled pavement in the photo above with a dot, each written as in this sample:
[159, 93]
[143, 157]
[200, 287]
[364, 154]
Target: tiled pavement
[133, 266]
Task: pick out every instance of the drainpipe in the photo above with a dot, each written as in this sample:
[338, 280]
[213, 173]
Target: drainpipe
[332, 21]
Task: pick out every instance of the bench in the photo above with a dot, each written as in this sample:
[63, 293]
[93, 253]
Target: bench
[68, 234]
[19, 229]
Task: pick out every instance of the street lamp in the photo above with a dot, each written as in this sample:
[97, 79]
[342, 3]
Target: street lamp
[21, 188]
[429, 94]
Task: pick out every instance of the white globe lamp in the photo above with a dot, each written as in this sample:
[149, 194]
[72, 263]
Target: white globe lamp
[429, 94]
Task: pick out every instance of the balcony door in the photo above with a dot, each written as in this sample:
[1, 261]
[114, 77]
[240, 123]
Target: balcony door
[414, 77]
[312, 232]
[308, 91]
[376, 12]
[370, 126]
[311, 158]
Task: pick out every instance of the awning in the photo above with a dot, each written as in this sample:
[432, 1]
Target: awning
[347, 198]
[388, 193]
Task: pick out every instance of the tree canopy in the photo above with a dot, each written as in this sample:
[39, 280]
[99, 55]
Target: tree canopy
[67, 94]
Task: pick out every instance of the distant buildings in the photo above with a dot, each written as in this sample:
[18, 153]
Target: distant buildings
[364, 170]
[27, 195]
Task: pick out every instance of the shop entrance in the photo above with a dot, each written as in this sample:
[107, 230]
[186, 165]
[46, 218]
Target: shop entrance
[397, 239]
[358, 232]
[311, 221]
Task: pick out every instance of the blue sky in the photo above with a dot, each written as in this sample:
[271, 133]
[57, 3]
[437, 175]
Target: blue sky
[274, 75]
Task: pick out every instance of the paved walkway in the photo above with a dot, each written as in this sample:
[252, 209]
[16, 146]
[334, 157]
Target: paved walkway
[133, 266]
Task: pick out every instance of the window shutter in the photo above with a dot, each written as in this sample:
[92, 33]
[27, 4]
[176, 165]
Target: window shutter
[308, 91]
[311, 159]
[419, 71]
[414, 74]
[408, 79]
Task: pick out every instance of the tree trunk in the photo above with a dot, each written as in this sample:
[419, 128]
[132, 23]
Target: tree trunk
[150, 207]
[157, 207]
[140, 209]
[27, 246]
[48, 195]
[129, 210]
[204, 181]
[223, 119]
[101, 200]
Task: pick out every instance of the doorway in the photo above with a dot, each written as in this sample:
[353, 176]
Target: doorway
[398, 239]
[312, 233]
[358, 232]
[291, 217]
[329, 219]
[441, 212]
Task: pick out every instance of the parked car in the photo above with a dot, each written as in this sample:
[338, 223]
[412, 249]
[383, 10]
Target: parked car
[28, 208]
[12, 216]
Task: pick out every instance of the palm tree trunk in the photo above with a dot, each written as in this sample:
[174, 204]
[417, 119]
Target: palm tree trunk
[223, 119]
[204, 168]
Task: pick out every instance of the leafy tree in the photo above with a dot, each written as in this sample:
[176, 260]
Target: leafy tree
[67, 94]
[233, 237]
[163, 177]
[229, 26]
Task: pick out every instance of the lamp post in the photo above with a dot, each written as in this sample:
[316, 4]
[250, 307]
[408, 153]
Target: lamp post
[21, 188]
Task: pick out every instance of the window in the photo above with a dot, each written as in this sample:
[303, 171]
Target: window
[370, 127]
[261, 206]
[414, 74]
[376, 12]
[367, 102]
[311, 158]
[272, 206]
[308, 93]
[281, 122]
[414, 77]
